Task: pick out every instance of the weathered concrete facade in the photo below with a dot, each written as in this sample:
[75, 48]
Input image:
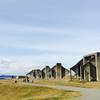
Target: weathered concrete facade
[46, 73]
[88, 68]
[36, 74]
[57, 72]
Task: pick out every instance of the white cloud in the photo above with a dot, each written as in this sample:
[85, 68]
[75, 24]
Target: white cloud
[68, 48]
[8, 66]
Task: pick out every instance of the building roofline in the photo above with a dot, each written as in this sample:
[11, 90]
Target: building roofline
[33, 70]
[45, 67]
[91, 54]
[77, 63]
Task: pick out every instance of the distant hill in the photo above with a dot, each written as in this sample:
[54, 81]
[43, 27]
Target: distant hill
[7, 76]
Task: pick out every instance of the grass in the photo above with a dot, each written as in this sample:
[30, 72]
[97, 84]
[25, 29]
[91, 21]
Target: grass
[11, 91]
[69, 83]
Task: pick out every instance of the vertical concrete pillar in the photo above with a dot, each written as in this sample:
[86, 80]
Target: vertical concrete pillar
[56, 72]
[45, 73]
[65, 74]
[60, 73]
[83, 70]
[51, 74]
[96, 62]
[89, 74]
[84, 74]
[83, 60]
[77, 73]
[80, 73]
[70, 75]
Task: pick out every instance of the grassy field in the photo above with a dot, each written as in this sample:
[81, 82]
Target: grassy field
[69, 83]
[12, 91]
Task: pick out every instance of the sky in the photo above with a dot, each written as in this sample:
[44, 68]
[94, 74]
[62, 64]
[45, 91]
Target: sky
[36, 33]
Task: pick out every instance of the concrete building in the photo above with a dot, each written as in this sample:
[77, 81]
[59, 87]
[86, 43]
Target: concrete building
[46, 73]
[88, 68]
[20, 77]
[35, 74]
[59, 72]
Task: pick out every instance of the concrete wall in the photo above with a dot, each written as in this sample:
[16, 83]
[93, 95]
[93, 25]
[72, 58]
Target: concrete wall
[59, 72]
[87, 72]
[35, 74]
[98, 67]
[56, 72]
[46, 73]
[90, 68]
[30, 74]
[53, 73]
[93, 74]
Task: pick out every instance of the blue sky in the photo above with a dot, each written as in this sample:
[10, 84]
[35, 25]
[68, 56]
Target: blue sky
[35, 33]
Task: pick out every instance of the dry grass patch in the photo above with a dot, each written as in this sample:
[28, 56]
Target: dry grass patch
[69, 83]
[11, 91]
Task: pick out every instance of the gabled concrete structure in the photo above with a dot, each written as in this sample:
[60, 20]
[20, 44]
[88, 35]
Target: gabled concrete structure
[36, 74]
[59, 72]
[46, 73]
[88, 68]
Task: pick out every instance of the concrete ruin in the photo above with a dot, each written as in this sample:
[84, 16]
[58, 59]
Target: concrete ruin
[56, 72]
[59, 72]
[46, 73]
[87, 69]
[35, 74]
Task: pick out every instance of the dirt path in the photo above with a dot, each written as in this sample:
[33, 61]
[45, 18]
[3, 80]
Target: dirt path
[87, 93]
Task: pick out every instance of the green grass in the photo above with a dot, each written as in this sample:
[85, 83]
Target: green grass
[11, 91]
